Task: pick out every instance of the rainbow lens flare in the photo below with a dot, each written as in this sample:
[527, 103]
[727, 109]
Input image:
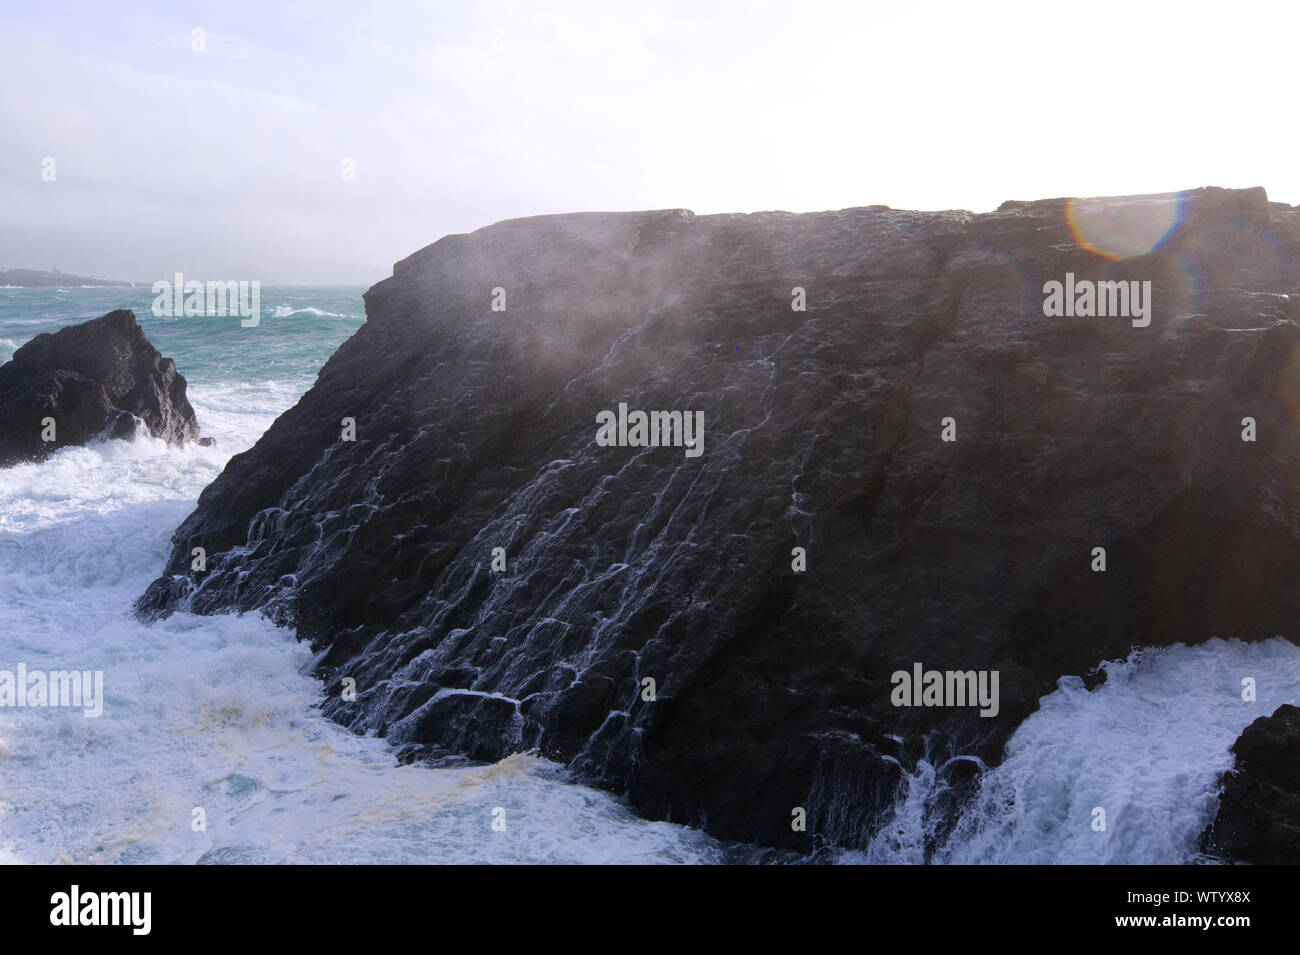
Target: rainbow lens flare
[1120, 227]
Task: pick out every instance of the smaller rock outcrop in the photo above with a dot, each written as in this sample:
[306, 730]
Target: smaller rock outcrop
[1259, 810]
[100, 379]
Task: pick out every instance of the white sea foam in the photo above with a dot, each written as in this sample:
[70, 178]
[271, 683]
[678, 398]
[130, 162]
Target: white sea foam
[284, 311]
[1148, 746]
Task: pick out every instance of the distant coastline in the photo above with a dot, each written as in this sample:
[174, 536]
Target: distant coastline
[35, 278]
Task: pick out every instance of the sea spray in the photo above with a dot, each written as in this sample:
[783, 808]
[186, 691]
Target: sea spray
[1147, 747]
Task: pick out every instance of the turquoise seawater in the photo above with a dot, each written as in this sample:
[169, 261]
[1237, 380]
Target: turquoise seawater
[300, 328]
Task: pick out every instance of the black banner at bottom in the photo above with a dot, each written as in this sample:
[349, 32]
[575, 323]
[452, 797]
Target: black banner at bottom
[339, 904]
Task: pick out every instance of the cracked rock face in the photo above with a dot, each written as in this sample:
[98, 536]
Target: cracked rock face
[476, 429]
[99, 379]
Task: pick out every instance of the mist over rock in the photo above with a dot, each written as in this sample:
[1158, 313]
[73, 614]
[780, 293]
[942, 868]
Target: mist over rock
[824, 430]
[95, 380]
[1259, 809]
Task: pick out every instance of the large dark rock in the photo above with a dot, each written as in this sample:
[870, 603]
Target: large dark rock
[475, 429]
[1259, 808]
[100, 379]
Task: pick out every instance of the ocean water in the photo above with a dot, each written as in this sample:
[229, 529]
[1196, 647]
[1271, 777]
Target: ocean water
[219, 714]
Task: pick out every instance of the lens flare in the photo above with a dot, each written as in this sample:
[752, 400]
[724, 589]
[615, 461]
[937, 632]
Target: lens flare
[1120, 227]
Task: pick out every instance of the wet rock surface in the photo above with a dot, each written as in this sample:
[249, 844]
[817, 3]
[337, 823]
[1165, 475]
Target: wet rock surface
[1259, 809]
[824, 430]
[99, 379]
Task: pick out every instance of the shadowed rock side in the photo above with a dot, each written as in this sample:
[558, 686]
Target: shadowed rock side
[476, 429]
[95, 380]
[1259, 809]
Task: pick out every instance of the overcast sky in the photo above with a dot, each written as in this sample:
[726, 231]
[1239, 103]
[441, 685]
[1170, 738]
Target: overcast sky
[227, 163]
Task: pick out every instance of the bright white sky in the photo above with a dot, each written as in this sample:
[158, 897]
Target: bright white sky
[225, 164]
